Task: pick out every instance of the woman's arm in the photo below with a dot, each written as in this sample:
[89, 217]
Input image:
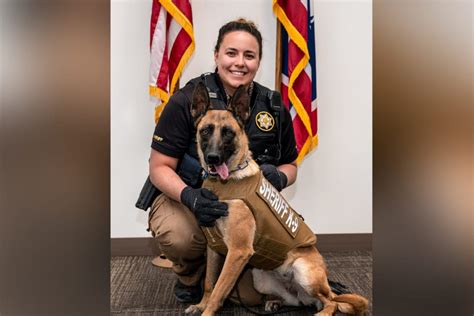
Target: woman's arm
[290, 170]
[163, 174]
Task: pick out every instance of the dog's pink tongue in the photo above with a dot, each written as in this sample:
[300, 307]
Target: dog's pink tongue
[223, 171]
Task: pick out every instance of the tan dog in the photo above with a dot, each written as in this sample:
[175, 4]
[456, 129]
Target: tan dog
[301, 278]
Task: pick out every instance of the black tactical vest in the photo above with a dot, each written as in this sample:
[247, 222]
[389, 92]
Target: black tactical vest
[263, 127]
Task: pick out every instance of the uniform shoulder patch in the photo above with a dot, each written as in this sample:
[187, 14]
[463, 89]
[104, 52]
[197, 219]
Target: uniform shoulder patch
[157, 138]
[264, 121]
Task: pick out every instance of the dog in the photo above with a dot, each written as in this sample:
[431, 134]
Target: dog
[300, 278]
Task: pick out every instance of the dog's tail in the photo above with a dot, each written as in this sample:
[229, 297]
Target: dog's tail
[351, 303]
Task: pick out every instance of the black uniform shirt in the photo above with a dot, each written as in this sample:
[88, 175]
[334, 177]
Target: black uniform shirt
[175, 133]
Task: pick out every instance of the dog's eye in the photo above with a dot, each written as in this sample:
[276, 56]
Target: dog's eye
[227, 132]
[206, 130]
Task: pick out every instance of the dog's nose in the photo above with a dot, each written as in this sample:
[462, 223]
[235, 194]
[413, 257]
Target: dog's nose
[213, 159]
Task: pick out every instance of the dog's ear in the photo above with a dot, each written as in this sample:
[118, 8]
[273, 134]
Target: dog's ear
[200, 102]
[240, 105]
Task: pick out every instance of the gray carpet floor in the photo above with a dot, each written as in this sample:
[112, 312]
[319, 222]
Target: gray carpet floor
[139, 288]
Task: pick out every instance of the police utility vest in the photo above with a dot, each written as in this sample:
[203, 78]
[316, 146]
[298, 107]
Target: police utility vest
[263, 127]
[279, 228]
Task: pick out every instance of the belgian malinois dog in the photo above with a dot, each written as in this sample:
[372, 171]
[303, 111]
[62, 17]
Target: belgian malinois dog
[302, 277]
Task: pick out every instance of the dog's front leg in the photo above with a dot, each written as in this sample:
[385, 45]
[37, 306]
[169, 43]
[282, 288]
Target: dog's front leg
[213, 267]
[239, 233]
[233, 266]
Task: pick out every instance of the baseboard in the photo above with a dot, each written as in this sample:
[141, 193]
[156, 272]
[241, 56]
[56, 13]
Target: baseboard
[344, 242]
[326, 242]
[133, 247]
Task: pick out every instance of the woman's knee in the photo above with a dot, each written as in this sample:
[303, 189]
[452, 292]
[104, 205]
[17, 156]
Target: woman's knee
[176, 230]
[168, 215]
[182, 244]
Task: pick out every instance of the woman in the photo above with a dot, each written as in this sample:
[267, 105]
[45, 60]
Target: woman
[176, 214]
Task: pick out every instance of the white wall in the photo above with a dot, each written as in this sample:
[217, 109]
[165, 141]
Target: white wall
[334, 186]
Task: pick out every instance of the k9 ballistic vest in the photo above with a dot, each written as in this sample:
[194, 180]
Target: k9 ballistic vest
[279, 228]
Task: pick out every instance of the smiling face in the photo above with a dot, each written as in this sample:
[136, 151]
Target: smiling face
[237, 60]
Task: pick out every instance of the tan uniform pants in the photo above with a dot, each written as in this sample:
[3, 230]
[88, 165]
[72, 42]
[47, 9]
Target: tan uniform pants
[181, 240]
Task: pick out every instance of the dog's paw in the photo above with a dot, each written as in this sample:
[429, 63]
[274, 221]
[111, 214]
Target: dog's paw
[273, 305]
[193, 310]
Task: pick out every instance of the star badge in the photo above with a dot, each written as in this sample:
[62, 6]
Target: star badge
[265, 121]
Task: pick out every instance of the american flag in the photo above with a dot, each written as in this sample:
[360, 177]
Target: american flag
[171, 46]
[298, 77]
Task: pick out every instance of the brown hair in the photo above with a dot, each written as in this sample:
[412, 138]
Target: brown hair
[240, 24]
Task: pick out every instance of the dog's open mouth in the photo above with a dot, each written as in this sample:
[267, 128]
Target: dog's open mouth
[219, 170]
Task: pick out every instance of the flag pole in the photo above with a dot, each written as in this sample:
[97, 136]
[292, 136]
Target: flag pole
[278, 57]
